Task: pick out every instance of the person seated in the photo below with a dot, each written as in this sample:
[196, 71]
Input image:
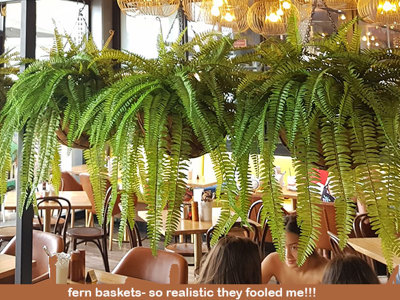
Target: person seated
[288, 272]
[349, 269]
[233, 260]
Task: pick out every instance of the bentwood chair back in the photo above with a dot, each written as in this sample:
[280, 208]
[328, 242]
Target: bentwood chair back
[348, 250]
[334, 240]
[266, 244]
[362, 226]
[237, 229]
[255, 207]
[165, 268]
[58, 223]
[95, 235]
[54, 244]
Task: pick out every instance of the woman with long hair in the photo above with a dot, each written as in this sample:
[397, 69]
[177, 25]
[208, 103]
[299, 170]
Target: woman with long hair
[288, 272]
[233, 260]
[349, 269]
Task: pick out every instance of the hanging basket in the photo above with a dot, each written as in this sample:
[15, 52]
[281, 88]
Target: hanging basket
[81, 143]
[197, 149]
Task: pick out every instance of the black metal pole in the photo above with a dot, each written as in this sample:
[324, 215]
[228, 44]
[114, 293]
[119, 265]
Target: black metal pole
[23, 250]
[116, 25]
[183, 23]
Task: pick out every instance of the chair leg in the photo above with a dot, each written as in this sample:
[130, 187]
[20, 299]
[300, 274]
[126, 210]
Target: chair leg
[136, 229]
[105, 254]
[74, 243]
[90, 220]
[72, 218]
[110, 237]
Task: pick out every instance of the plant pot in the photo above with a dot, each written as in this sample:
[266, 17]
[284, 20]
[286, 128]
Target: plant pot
[197, 149]
[81, 143]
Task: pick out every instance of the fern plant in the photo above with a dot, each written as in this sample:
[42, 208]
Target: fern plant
[152, 116]
[50, 96]
[334, 105]
[7, 70]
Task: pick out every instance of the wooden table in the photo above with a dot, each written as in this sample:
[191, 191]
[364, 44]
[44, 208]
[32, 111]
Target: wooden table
[7, 265]
[371, 247]
[196, 228]
[78, 200]
[76, 170]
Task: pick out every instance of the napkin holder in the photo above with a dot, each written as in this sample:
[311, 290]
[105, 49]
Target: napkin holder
[91, 277]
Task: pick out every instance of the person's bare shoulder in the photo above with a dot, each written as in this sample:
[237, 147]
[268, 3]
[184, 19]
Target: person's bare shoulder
[270, 266]
[272, 258]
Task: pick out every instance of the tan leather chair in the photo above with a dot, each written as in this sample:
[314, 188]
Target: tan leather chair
[69, 183]
[87, 187]
[39, 239]
[166, 267]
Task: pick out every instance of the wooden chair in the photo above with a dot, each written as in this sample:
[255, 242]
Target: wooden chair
[54, 244]
[165, 268]
[254, 209]
[334, 241]
[58, 223]
[69, 183]
[87, 187]
[362, 227]
[98, 236]
[237, 229]
[266, 244]
[134, 236]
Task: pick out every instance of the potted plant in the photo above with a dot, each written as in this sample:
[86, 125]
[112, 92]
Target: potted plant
[47, 100]
[152, 115]
[327, 99]
[7, 70]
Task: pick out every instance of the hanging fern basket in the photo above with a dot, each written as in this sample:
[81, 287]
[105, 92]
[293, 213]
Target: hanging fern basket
[197, 148]
[81, 143]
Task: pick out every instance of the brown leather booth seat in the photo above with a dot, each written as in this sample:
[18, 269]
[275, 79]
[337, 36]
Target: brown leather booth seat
[166, 267]
[53, 242]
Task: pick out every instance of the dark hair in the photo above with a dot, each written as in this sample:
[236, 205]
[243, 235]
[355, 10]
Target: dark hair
[233, 260]
[291, 224]
[349, 269]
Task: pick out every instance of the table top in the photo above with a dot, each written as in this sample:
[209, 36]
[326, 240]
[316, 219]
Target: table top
[7, 265]
[79, 169]
[78, 200]
[371, 247]
[188, 226]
